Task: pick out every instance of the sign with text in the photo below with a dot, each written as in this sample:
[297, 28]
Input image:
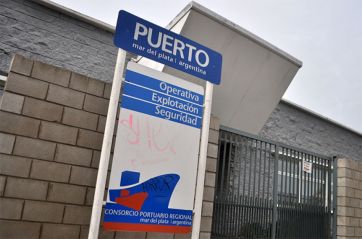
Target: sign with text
[146, 39]
[154, 167]
[307, 167]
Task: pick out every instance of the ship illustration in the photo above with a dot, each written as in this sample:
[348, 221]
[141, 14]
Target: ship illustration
[153, 193]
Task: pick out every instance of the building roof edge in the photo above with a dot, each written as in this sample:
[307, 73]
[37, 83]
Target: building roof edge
[227, 23]
[77, 15]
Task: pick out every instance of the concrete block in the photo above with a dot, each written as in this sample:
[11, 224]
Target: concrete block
[20, 125]
[59, 231]
[213, 136]
[102, 234]
[96, 104]
[346, 182]
[209, 193]
[205, 235]
[354, 222]
[106, 234]
[79, 215]
[345, 211]
[353, 164]
[207, 209]
[214, 123]
[210, 179]
[12, 102]
[130, 235]
[357, 175]
[80, 118]
[42, 110]
[358, 212]
[26, 188]
[78, 82]
[14, 166]
[73, 155]
[90, 196]
[159, 235]
[354, 202]
[360, 168]
[212, 150]
[343, 163]
[83, 176]
[6, 143]
[101, 124]
[2, 185]
[344, 173]
[50, 74]
[107, 90]
[19, 230]
[34, 148]
[206, 223]
[26, 86]
[21, 65]
[345, 231]
[65, 96]
[358, 194]
[58, 133]
[43, 211]
[90, 139]
[66, 193]
[183, 236]
[345, 192]
[50, 171]
[96, 158]
[211, 164]
[358, 232]
[343, 221]
[342, 201]
[95, 87]
[11, 208]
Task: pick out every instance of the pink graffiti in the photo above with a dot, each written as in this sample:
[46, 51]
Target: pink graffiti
[154, 135]
[135, 131]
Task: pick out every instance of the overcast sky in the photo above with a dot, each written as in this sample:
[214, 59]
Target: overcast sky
[325, 34]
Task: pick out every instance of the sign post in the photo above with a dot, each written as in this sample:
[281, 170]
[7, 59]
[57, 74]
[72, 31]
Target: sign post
[202, 161]
[131, 201]
[106, 145]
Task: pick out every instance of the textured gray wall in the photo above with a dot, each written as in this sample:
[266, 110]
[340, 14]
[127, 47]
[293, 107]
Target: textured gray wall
[293, 126]
[46, 35]
[34, 31]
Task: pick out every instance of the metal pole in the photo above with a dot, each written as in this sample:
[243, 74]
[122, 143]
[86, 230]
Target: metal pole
[275, 193]
[106, 145]
[202, 161]
[334, 192]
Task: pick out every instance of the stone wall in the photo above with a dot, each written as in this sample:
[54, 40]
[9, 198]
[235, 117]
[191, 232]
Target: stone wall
[349, 199]
[296, 127]
[43, 34]
[51, 130]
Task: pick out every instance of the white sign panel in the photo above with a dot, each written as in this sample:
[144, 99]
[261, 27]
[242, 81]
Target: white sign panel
[155, 159]
[307, 167]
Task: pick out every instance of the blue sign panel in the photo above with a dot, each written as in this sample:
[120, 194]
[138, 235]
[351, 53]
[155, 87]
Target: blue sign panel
[144, 207]
[161, 99]
[146, 39]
